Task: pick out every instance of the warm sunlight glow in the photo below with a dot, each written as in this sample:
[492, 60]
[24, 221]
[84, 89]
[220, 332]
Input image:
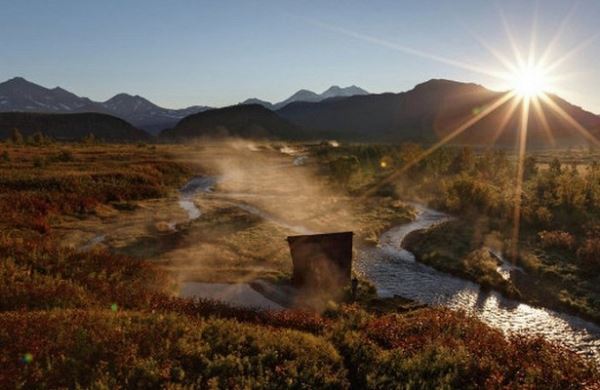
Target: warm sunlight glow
[527, 77]
[529, 81]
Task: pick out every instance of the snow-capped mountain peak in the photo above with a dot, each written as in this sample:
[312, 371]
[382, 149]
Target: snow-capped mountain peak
[305, 95]
[18, 94]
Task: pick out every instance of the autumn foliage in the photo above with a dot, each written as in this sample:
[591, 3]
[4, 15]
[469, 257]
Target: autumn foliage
[95, 319]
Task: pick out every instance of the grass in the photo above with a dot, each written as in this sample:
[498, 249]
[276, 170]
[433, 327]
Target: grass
[106, 320]
[75, 180]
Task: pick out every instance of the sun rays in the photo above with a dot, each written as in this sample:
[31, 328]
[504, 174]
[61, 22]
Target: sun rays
[529, 77]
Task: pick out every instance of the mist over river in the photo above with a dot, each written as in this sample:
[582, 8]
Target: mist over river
[394, 271]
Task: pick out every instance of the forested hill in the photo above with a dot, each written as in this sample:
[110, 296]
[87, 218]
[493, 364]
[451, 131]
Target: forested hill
[248, 120]
[70, 126]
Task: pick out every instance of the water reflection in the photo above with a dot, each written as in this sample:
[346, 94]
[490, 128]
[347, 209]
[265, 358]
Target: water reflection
[394, 271]
[193, 187]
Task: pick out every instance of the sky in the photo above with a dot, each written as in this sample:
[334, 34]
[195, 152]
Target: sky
[217, 53]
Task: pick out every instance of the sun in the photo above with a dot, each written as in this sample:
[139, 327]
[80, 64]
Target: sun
[529, 81]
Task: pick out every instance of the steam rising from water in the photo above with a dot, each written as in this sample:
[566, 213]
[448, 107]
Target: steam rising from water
[265, 183]
[289, 192]
[261, 195]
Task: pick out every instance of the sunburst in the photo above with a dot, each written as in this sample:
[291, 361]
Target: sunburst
[528, 79]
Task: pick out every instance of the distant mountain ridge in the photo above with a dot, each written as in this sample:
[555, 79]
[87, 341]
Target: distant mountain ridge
[430, 111]
[305, 95]
[144, 114]
[20, 95]
[247, 121]
[426, 113]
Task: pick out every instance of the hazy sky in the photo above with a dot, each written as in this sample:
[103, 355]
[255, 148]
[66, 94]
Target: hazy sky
[179, 53]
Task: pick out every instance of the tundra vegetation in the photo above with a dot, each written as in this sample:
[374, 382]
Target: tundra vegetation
[559, 234]
[97, 318]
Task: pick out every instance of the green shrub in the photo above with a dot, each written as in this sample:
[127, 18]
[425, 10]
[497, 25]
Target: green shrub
[44, 275]
[24, 287]
[436, 348]
[529, 261]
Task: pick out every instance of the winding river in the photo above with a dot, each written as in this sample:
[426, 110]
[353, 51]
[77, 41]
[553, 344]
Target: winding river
[394, 271]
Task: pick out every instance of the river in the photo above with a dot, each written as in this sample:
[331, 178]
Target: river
[394, 271]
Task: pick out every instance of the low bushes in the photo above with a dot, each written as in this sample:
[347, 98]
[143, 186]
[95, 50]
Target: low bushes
[38, 274]
[436, 348]
[69, 181]
[557, 239]
[73, 348]
[72, 319]
[306, 321]
[589, 253]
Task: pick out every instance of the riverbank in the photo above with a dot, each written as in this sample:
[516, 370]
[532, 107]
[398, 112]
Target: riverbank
[442, 248]
[395, 271]
[455, 248]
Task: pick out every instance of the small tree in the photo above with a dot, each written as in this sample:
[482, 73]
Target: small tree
[38, 138]
[464, 161]
[89, 139]
[555, 167]
[16, 137]
[530, 167]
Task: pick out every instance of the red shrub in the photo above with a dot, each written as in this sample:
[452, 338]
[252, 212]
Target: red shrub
[294, 319]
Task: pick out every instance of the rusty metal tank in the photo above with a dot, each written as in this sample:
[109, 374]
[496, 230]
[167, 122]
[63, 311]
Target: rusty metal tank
[321, 261]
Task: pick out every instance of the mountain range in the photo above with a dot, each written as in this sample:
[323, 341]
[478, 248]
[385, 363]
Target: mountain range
[305, 95]
[427, 113]
[18, 94]
[434, 109]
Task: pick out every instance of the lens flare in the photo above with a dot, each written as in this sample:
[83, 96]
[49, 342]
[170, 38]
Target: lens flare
[27, 358]
[528, 79]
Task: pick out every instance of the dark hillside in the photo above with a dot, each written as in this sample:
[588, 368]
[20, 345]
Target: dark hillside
[248, 121]
[70, 126]
[430, 111]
